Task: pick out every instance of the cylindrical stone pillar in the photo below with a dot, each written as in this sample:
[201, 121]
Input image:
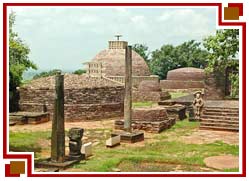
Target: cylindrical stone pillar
[58, 128]
[128, 89]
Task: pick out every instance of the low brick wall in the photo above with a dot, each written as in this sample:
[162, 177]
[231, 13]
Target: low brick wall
[178, 84]
[136, 80]
[152, 120]
[80, 104]
[138, 96]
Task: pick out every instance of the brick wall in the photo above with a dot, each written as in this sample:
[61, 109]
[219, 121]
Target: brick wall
[80, 104]
[181, 84]
[215, 86]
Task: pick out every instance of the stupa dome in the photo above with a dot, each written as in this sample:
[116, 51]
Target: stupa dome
[113, 61]
[186, 73]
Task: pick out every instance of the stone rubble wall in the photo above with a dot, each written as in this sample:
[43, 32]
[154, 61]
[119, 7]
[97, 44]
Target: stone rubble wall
[80, 104]
[153, 120]
[138, 96]
[214, 87]
[136, 80]
[180, 84]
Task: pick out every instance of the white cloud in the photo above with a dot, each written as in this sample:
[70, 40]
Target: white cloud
[66, 36]
[138, 19]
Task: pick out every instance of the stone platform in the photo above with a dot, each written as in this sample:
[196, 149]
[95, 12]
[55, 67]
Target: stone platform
[176, 111]
[47, 163]
[28, 118]
[154, 120]
[127, 137]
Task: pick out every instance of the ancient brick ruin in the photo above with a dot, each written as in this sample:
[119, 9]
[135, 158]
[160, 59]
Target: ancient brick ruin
[85, 97]
[149, 91]
[111, 62]
[184, 78]
[153, 120]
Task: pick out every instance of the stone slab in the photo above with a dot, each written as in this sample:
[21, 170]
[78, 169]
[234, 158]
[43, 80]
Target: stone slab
[29, 117]
[47, 163]
[129, 137]
[86, 149]
[113, 141]
[222, 162]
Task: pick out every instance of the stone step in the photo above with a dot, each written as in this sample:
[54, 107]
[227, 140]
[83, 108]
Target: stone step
[218, 117]
[219, 128]
[219, 121]
[231, 114]
[218, 109]
[230, 125]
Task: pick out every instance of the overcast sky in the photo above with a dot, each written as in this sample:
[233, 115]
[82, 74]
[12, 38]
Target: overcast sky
[65, 38]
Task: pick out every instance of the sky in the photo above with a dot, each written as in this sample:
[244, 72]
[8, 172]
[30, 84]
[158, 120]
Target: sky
[65, 38]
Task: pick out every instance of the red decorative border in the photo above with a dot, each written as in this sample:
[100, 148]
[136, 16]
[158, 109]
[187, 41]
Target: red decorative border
[29, 157]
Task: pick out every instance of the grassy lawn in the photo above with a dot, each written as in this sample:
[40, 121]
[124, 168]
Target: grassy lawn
[143, 104]
[159, 152]
[177, 94]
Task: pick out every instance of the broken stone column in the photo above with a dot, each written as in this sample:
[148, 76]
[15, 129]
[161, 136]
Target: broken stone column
[75, 135]
[128, 89]
[58, 132]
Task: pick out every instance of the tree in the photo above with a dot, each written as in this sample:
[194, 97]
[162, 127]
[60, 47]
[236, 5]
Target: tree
[18, 62]
[142, 50]
[79, 71]
[224, 48]
[188, 54]
[47, 74]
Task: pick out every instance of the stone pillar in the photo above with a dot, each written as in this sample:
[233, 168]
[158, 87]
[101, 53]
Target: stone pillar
[58, 130]
[128, 89]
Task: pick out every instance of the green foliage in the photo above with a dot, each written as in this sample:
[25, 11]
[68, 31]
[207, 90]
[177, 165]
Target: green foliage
[79, 71]
[224, 48]
[18, 63]
[235, 85]
[142, 50]
[47, 74]
[18, 56]
[168, 57]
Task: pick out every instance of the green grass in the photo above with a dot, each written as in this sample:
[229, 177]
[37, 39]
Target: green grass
[177, 94]
[231, 170]
[161, 154]
[143, 104]
[27, 141]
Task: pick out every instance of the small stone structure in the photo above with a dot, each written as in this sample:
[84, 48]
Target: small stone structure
[153, 120]
[86, 149]
[149, 91]
[187, 78]
[113, 141]
[75, 135]
[176, 111]
[28, 118]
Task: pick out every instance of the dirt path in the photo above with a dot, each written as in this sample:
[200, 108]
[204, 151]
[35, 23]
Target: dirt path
[101, 124]
[196, 137]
